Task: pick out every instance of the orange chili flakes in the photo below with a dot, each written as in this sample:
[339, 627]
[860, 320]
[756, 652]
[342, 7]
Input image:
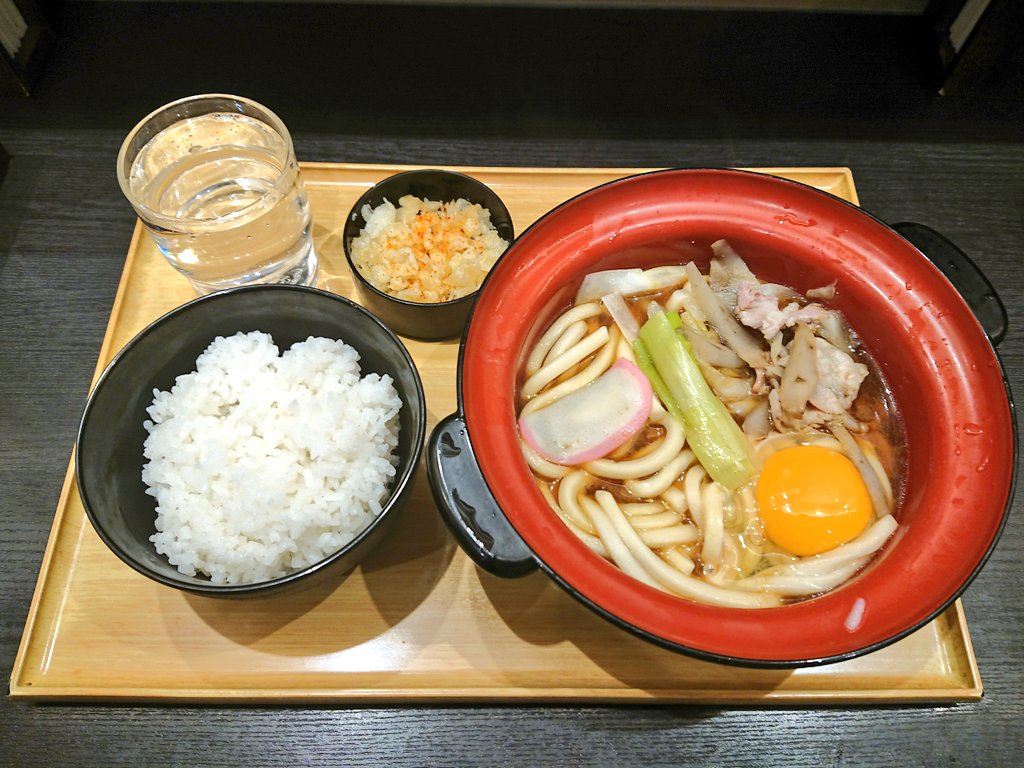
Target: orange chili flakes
[427, 251]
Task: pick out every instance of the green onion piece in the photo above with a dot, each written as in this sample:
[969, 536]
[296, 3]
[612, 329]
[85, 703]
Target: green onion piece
[645, 364]
[715, 438]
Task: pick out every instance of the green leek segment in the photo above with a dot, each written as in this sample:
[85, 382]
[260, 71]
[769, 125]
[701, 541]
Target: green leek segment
[645, 364]
[714, 437]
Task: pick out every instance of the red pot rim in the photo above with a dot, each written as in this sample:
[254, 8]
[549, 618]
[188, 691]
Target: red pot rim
[943, 373]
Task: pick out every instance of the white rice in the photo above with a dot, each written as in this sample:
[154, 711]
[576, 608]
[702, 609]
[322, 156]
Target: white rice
[262, 464]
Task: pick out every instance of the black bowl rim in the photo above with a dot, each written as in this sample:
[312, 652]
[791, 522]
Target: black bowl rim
[397, 493]
[367, 285]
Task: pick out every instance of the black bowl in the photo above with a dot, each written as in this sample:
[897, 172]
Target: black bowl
[108, 453]
[429, 321]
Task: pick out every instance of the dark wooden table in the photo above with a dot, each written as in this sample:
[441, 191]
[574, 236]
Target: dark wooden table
[681, 89]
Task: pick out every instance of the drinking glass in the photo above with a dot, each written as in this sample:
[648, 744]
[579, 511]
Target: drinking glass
[214, 180]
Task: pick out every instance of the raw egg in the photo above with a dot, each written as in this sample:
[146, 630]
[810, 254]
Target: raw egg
[812, 499]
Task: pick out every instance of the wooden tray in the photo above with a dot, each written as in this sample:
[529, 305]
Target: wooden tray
[417, 622]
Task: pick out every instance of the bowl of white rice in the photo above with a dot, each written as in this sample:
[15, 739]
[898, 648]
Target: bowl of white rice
[251, 438]
[420, 244]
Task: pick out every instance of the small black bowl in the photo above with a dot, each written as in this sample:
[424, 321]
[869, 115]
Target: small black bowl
[108, 453]
[428, 321]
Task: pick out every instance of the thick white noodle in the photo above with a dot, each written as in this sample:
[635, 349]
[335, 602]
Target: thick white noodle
[572, 334]
[624, 349]
[567, 318]
[776, 441]
[601, 362]
[540, 465]
[677, 558]
[712, 497]
[669, 577]
[865, 545]
[569, 490]
[554, 368]
[728, 568]
[675, 498]
[692, 483]
[750, 535]
[621, 554]
[852, 449]
[592, 542]
[744, 510]
[876, 464]
[549, 497]
[750, 554]
[638, 508]
[795, 585]
[675, 302]
[671, 444]
[820, 573]
[676, 535]
[650, 522]
[662, 480]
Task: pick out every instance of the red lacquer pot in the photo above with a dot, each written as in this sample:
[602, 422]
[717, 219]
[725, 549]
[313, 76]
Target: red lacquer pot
[935, 356]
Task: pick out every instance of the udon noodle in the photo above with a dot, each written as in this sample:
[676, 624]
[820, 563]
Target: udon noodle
[728, 514]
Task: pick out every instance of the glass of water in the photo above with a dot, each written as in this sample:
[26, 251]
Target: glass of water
[215, 182]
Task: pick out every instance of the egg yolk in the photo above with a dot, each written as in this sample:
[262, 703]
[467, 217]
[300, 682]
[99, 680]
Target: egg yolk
[812, 499]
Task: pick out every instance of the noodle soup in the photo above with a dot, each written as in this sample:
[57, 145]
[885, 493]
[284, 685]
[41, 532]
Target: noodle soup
[715, 436]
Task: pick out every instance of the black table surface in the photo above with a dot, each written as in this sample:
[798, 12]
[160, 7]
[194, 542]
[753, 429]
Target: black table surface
[614, 88]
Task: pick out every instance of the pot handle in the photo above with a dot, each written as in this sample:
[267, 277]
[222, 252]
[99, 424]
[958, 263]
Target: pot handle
[467, 506]
[963, 273]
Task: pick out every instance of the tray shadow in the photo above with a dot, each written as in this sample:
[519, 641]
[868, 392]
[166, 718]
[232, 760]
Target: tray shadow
[541, 613]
